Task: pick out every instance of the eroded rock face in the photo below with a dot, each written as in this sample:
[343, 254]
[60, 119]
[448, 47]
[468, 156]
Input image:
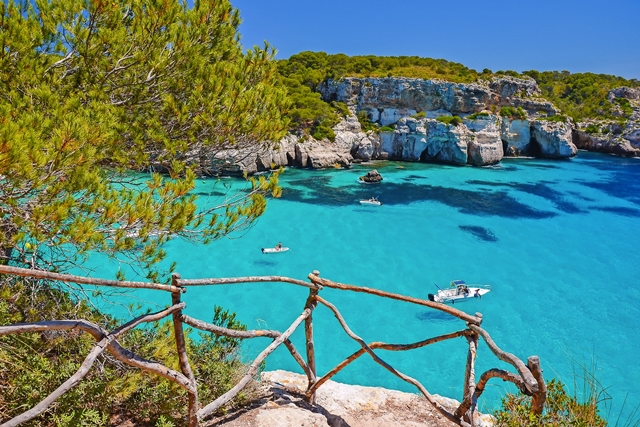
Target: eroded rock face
[485, 146]
[446, 143]
[516, 137]
[317, 155]
[620, 145]
[554, 139]
[388, 99]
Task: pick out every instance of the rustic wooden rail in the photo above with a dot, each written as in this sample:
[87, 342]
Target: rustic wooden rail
[528, 377]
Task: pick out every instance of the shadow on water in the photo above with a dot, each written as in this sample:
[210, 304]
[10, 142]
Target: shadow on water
[411, 178]
[539, 189]
[480, 233]
[265, 263]
[435, 316]
[577, 195]
[620, 210]
[535, 165]
[479, 202]
[621, 170]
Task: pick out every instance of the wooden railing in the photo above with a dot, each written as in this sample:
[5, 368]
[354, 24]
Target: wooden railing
[528, 377]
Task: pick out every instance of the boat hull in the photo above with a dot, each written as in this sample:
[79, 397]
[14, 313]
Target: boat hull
[449, 296]
[274, 250]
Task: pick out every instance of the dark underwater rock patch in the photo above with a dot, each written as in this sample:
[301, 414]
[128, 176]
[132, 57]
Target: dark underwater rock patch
[480, 233]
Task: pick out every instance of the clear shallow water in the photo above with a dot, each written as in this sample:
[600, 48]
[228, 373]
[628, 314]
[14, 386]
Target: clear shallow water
[557, 241]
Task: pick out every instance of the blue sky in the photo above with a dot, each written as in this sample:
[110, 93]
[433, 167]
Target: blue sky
[578, 36]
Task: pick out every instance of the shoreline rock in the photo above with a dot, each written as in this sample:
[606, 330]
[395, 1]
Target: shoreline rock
[282, 404]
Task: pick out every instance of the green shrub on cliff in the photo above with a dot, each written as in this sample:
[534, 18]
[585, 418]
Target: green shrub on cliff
[556, 118]
[450, 120]
[365, 123]
[479, 115]
[513, 113]
[592, 129]
[561, 410]
[580, 95]
[33, 365]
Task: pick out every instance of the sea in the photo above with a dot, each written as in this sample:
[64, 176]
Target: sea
[557, 241]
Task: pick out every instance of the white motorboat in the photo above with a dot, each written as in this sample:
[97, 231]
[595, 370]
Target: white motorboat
[274, 250]
[459, 291]
[372, 201]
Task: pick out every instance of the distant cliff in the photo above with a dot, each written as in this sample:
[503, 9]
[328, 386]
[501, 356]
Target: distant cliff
[458, 123]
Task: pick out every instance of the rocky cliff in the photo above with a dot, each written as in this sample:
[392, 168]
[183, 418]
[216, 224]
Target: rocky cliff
[620, 137]
[413, 126]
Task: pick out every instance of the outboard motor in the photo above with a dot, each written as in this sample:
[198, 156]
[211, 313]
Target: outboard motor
[430, 296]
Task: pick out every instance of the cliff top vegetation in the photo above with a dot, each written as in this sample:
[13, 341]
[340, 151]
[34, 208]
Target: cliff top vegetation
[580, 96]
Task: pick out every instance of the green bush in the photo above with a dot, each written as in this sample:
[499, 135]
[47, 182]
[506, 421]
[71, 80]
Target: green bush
[386, 129]
[40, 362]
[480, 115]
[366, 124]
[580, 95]
[556, 118]
[513, 113]
[450, 120]
[561, 410]
[321, 131]
[341, 108]
[420, 114]
[592, 129]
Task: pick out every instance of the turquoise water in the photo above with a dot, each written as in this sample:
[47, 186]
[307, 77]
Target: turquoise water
[556, 240]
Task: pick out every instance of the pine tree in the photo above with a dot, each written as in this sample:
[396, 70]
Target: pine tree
[91, 90]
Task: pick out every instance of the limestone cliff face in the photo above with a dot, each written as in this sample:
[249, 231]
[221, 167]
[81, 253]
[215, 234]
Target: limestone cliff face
[554, 139]
[410, 108]
[411, 105]
[389, 99]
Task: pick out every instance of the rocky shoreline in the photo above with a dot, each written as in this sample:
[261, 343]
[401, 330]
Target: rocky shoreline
[504, 117]
[280, 403]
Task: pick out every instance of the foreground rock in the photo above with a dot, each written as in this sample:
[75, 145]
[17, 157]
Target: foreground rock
[337, 405]
[372, 176]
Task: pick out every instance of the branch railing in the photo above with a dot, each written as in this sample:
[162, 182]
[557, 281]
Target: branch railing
[527, 378]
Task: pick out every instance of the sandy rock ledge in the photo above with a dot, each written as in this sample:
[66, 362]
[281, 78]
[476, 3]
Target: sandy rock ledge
[337, 405]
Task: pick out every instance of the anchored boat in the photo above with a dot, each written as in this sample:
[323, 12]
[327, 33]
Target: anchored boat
[459, 291]
[372, 201]
[274, 250]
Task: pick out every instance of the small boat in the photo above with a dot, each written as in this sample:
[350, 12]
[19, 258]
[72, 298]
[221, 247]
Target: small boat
[459, 291]
[372, 201]
[274, 250]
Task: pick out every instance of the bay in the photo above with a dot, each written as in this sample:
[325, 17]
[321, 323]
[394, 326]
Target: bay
[556, 240]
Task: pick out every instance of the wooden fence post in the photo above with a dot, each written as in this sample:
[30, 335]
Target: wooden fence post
[539, 397]
[308, 330]
[182, 353]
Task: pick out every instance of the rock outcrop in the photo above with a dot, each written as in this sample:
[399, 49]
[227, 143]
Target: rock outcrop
[621, 137]
[372, 176]
[485, 147]
[410, 106]
[388, 99]
[282, 404]
[554, 139]
[516, 137]
[411, 114]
